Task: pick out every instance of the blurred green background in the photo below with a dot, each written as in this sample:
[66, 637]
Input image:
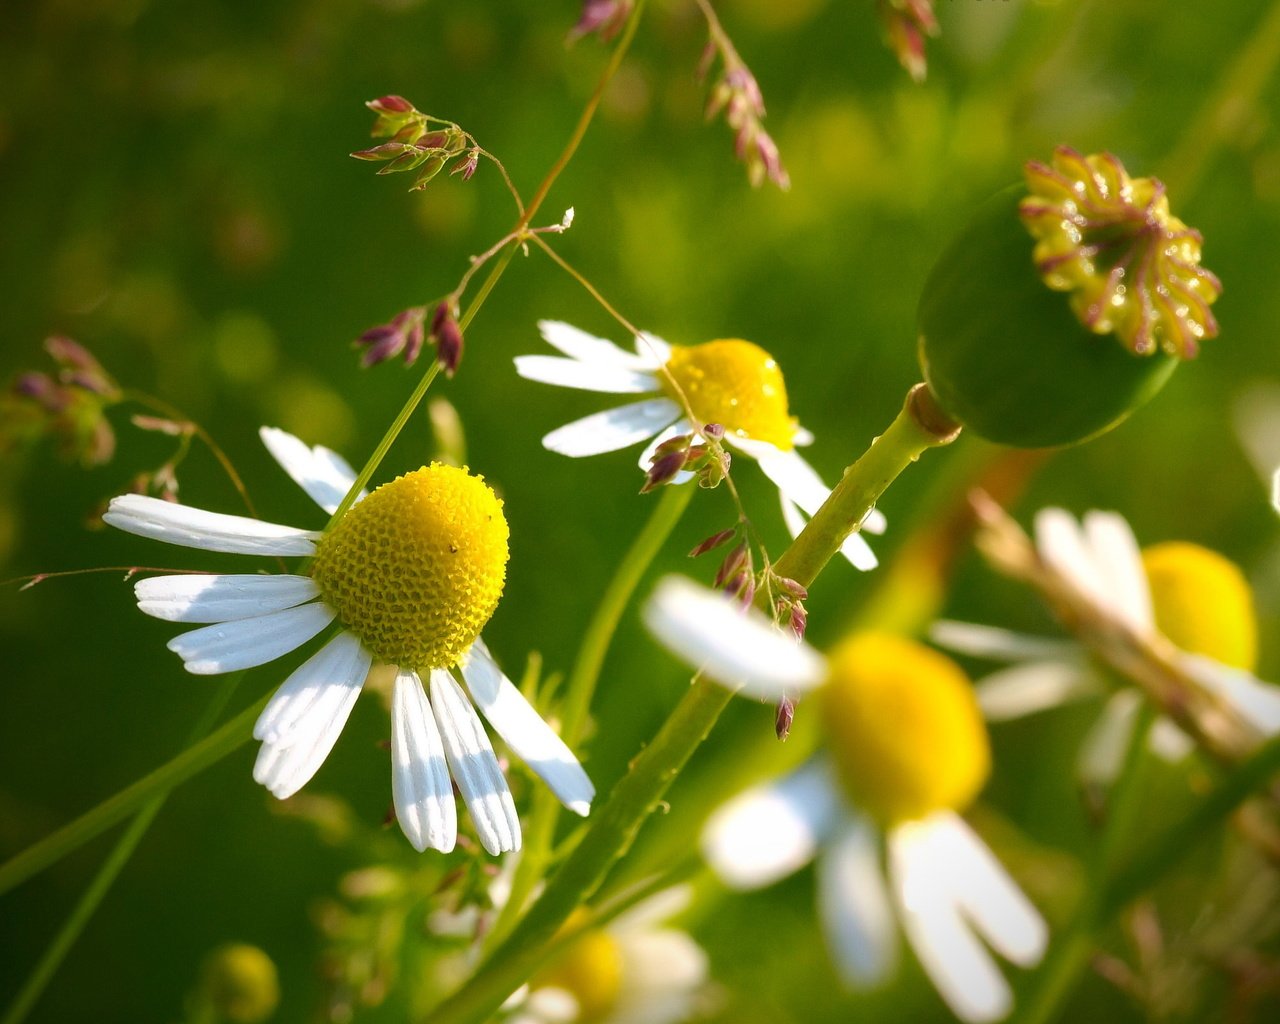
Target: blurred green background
[175, 193]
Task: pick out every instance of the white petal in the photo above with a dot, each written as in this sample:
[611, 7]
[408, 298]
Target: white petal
[652, 911]
[770, 831]
[524, 731]
[551, 1005]
[853, 902]
[681, 426]
[652, 349]
[1256, 701]
[957, 963]
[587, 348]
[1169, 742]
[319, 682]
[662, 968]
[569, 373]
[1061, 545]
[1036, 686]
[997, 644]
[244, 643]
[1119, 562]
[212, 531]
[986, 893]
[323, 474]
[474, 766]
[798, 482]
[303, 720]
[802, 437]
[612, 429]
[420, 781]
[874, 522]
[735, 647]
[199, 598]
[790, 473]
[792, 516]
[1103, 749]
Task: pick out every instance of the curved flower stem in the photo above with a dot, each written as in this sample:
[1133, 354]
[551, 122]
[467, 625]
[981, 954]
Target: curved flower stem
[582, 684]
[197, 757]
[48, 964]
[1108, 897]
[919, 426]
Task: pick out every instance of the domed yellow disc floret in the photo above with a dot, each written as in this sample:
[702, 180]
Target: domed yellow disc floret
[736, 384]
[590, 970]
[1202, 603]
[905, 731]
[416, 569]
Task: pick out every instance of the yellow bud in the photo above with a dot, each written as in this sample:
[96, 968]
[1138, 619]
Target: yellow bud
[904, 728]
[1202, 603]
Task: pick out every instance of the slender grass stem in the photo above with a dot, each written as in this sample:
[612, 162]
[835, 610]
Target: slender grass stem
[58, 949]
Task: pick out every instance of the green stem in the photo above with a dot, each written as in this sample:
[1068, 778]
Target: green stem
[119, 856]
[230, 737]
[1105, 898]
[581, 686]
[614, 825]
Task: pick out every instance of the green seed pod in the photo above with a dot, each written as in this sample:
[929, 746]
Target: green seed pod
[1018, 362]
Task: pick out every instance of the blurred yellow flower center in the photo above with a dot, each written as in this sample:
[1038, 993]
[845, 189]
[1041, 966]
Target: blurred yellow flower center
[1202, 603]
[905, 731]
[416, 569]
[736, 384]
[590, 970]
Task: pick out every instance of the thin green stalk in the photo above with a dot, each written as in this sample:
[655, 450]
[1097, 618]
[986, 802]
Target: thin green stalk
[613, 826]
[217, 745]
[48, 964]
[1108, 896]
[581, 686]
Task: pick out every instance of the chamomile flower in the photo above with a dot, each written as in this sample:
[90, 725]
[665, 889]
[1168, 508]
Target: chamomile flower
[635, 970]
[731, 382]
[880, 812]
[411, 574]
[1194, 597]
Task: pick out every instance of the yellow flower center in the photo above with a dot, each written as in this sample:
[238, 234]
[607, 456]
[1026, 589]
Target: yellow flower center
[590, 970]
[1202, 603]
[736, 384]
[905, 731]
[416, 569]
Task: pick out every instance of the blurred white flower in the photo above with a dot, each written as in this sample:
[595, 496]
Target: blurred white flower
[634, 970]
[906, 753]
[1192, 596]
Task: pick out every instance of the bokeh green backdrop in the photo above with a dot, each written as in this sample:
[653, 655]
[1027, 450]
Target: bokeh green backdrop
[175, 193]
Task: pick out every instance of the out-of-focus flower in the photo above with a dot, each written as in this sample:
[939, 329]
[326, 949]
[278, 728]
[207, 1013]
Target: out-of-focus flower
[634, 970]
[603, 17]
[411, 574]
[1006, 355]
[238, 985]
[69, 405]
[907, 751]
[907, 24]
[1185, 594]
[732, 383]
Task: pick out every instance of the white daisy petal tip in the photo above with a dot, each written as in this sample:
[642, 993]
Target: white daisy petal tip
[735, 647]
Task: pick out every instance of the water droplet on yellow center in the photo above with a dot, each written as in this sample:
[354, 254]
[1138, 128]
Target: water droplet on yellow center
[416, 569]
[590, 970]
[905, 732]
[1202, 603]
[734, 383]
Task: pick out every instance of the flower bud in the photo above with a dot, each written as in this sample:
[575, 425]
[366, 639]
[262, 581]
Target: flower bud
[239, 984]
[1016, 361]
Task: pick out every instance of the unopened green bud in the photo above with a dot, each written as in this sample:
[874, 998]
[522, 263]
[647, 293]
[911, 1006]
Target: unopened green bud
[1016, 360]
